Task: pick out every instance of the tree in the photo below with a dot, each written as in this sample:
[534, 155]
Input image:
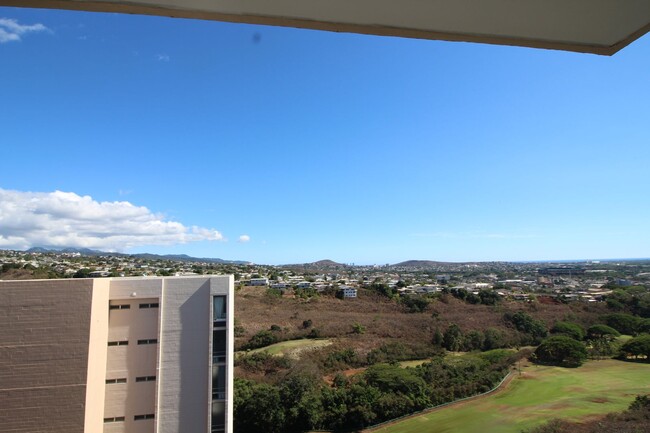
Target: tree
[361, 399]
[644, 326]
[394, 379]
[569, 329]
[489, 297]
[623, 323]
[437, 338]
[383, 289]
[493, 339]
[453, 338]
[473, 340]
[601, 340]
[602, 331]
[637, 347]
[561, 350]
[635, 299]
[300, 396]
[257, 408]
[525, 323]
[82, 273]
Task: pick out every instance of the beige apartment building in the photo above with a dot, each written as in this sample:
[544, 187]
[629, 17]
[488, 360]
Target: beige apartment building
[114, 355]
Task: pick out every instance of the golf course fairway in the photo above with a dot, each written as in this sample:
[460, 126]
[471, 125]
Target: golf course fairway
[539, 394]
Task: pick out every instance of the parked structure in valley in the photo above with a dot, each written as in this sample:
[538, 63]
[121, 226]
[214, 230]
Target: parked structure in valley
[117, 355]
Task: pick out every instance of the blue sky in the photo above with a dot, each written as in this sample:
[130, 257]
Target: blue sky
[280, 145]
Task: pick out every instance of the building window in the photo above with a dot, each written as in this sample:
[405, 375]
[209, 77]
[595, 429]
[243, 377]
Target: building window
[145, 378]
[218, 423]
[118, 343]
[119, 307]
[111, 381]
[149, 341]
[142, 417]
[218, 346]
[114, 419]
[151, 305]
[219, 308]
[218, 382]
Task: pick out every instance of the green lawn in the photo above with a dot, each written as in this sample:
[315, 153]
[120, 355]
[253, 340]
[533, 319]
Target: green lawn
[541, 393]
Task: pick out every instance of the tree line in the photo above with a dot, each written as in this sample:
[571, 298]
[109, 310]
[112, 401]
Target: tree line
[302, 402]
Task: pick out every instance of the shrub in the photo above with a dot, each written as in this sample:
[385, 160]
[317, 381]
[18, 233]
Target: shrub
[239, 331]
[314, 333]
[261, 339]
[640, 402]
[341, 359]
[273, 293]
[358, 328]
[263, 362]
[414, 304]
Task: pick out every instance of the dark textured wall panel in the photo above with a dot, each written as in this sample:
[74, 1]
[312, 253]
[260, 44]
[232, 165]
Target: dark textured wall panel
[44, 331]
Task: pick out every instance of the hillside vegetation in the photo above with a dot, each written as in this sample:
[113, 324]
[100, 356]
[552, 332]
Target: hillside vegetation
[359, 377]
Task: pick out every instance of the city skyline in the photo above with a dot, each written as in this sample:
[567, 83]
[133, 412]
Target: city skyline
[280, 145]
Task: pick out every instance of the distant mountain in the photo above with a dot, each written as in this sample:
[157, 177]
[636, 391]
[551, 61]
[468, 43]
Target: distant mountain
[419, 264]
[321, 264]
[146, 256]
[326, 262]
[71, 250]
[186, 258]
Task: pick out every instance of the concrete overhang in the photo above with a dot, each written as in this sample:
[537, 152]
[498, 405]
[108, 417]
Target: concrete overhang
[589, 26]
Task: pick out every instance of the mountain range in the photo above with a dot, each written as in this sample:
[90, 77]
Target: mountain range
[147, 256]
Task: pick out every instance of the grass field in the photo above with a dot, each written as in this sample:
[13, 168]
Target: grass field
[540, 394]
[292, 347]
[413, 363]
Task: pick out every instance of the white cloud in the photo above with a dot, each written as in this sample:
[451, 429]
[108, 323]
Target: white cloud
[163, 57]
[10, 30]
[5, 36]
[58, 219]
[244, 238]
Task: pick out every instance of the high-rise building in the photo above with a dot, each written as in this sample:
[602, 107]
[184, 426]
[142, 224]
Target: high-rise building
[117, 355]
